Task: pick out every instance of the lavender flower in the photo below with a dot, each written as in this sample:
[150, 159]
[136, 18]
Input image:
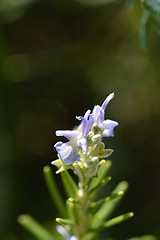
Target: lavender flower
[77, 139]
[105, 127]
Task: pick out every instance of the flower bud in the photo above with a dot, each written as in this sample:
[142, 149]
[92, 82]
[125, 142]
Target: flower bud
[97, 138]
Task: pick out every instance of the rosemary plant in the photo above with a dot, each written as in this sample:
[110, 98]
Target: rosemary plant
[82, 217]
[84, 154]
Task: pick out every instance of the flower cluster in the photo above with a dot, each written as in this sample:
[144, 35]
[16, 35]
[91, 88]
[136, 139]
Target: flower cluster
[85, 142]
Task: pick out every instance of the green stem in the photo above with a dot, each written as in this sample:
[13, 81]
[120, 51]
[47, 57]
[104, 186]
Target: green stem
[82, 212]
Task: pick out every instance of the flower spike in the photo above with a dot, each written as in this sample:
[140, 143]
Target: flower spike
[84, 141]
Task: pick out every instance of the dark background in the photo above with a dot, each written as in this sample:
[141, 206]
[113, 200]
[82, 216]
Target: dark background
[58, 59]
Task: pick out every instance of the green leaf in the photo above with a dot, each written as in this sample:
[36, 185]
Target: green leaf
[65, 221]
[69, 184]
[114, 221]
[107, 208]
[53, 190]
[35, 228]
[78, 171]
[95, 205]
[98, 186]
[91, 236]
[73, 200]
[71, 210]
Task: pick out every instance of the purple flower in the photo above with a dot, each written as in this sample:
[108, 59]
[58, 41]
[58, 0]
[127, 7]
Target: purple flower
[106, 126]
[77, 138]
[70, 151]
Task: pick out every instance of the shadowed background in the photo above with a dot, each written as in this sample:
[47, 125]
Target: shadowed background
[58, 59]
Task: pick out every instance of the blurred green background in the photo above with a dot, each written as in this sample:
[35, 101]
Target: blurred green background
[59, 58]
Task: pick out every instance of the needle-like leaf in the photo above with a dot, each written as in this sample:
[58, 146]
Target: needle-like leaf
[107, 208]
[53, 190]
[69, 184]
[38, 231]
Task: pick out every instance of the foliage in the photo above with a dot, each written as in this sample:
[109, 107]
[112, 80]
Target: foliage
[151, 17]
[83, 217]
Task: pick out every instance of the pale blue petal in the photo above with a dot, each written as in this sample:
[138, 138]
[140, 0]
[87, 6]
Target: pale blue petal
[90, 123]
[86, 124]
[108, 133]
[63, 232]
[86, 115]
[98, 114]
[108, 124]
[58, 144]
[67, 152]
[83, 144]
[107, 100]
[83, 126]
[67, 133]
